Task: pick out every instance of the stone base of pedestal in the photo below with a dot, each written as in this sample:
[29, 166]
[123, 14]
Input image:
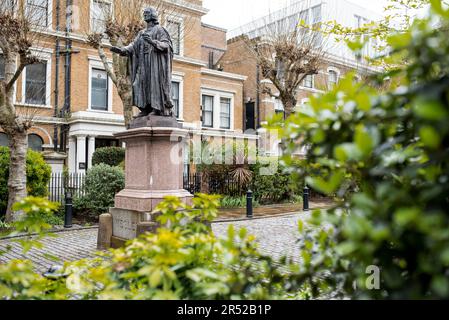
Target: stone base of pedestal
[141, 228]
[154, 170]
[118, 242]
[146, 200]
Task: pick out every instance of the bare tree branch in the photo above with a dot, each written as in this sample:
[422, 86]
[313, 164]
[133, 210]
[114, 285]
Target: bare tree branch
[16, 76]
[287, 53]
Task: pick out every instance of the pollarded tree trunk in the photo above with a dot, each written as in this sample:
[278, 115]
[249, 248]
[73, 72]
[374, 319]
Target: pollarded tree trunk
[119, 76]
[125, 92]
[15, 128]
[17, 172]
[289, 102]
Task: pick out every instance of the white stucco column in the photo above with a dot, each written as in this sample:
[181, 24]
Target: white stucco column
[91, 150]
[80, 152]
[72, 154]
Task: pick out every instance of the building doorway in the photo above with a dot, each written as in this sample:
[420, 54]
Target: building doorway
[105, 142]
[250, 119]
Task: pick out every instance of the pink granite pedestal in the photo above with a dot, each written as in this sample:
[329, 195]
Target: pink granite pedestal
[154, 169]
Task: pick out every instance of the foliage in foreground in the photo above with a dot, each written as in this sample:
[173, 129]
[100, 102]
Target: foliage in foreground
[38, 176]
[183, 260]
[394, 148]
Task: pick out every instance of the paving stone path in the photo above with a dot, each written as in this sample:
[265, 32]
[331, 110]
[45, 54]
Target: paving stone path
[67, 246]
[276, 236]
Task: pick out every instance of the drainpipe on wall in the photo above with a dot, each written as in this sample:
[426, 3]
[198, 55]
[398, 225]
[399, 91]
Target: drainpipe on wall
[68, 56]
[56, 111]
[67, 74]
[258, 95]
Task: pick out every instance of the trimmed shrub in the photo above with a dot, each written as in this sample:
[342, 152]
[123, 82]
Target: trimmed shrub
[111, 156]
[276, 188]
[38, 176]
[102, 183]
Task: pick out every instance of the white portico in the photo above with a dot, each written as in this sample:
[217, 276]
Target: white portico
[88, 131]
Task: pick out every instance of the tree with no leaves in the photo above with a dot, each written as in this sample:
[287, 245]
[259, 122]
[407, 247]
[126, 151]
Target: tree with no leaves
[287, 52]
[122, 24]
[18, 33]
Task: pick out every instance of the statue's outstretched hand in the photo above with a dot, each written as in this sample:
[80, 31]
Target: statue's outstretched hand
[118, 50]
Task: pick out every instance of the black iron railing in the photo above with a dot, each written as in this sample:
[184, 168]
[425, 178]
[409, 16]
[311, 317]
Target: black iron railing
[60, 183]
[192, 182]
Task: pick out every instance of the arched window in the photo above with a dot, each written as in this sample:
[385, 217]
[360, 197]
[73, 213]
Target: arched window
[4, 140]
[333, 78]
[35, 142]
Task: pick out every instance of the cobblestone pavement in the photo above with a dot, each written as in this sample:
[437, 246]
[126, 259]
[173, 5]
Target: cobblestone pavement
[276, 236]
[67, 246]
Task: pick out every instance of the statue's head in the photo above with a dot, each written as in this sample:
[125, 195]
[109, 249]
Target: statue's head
[150, 14]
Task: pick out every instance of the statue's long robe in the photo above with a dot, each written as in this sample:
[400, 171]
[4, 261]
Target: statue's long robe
[151, 69]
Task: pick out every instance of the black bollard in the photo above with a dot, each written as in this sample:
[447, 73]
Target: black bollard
[305, 198]
[249, 204]
[68, 210]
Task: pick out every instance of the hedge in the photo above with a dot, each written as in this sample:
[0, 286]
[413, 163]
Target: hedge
[112, 156]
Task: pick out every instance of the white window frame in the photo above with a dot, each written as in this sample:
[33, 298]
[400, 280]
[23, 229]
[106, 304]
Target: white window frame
[336, 70]
[97, 64]
[91, 9]
[180, 79]
[43, 55]
[180, 20]
[278, 105]
[216, 111]
[203, 110]
[313, 82]
[49, 14]
[230, 107]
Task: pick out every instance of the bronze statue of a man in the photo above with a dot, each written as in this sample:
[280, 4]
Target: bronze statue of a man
[150, 63]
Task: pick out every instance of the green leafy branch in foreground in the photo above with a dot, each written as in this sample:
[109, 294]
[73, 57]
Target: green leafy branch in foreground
[18, 280]
[386, 158]
[182, 260]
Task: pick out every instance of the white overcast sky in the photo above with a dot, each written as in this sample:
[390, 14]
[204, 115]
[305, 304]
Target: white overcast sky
[231, 14]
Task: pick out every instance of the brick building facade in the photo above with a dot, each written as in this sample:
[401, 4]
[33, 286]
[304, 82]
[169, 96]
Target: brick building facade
[70, 77]
[338, 60]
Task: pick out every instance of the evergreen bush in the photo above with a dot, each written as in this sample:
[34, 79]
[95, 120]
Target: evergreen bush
[38, 176]
[102, 183]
